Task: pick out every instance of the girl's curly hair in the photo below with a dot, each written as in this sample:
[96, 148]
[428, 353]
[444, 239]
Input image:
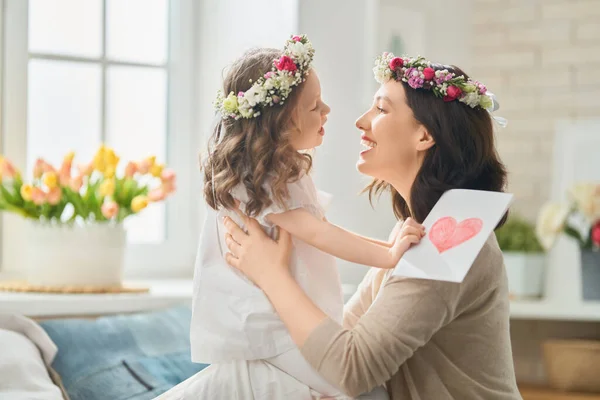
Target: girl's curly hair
[257, 151]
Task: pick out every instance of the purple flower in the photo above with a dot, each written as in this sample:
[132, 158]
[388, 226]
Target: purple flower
[408, 73]
[415, 82]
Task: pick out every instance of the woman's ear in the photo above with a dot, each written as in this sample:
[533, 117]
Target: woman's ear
[426, 141]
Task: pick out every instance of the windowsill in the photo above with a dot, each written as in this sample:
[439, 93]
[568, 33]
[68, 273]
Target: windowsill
[164, 293]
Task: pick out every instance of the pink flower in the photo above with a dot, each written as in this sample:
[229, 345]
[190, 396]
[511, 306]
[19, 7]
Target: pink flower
[54, 196]
[64, 176]
[85, 169]
[269, 74]
[109, 209]
[296, 38]
[276, 99]
[38, 196]
[7, 169]
[240, 94]
[428, 73]
[76, 183]
[130, 169]
[596, 234]
[143, 167]
[396, 63]
[168, 187]
[452, 93]
[168, 175]
[157, 195]
[285, 63]
[38, 168]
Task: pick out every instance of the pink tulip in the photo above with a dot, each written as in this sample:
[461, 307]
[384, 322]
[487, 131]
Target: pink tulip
[7, 169]
[110, 209]
[157, 195]
[85, 169]
[76, 183]
[143, 167]
[38, 196]
[64, 176]
[54, 196]
[168, 187]
[130, 169]
[168, 175]
[46, 167]
[38, 168]
[42, 167]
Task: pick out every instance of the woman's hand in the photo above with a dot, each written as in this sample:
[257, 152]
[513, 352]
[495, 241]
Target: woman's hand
[411, 232]
[254, 253]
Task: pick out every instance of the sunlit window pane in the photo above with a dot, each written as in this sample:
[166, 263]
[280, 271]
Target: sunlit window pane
[66, 27]
[136, 128]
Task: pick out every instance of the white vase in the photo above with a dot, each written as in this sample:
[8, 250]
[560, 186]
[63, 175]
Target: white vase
[525, 273]
[75, 255]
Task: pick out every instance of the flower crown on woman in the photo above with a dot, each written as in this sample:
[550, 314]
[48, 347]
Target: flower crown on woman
[418, 73]
[272, 88]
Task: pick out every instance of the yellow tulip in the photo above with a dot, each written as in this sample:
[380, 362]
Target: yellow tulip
[151, 160]
[107, 188]
[139, 203]
[156, 170]
[99, 162]
[109, 172]
[51, 180]
[26, 191]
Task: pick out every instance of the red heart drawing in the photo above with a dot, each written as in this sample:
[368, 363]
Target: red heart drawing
[446, 233]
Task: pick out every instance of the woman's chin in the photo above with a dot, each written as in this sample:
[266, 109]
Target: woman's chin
[362, 166]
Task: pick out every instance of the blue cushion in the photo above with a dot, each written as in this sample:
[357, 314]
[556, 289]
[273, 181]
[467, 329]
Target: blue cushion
[135, 356]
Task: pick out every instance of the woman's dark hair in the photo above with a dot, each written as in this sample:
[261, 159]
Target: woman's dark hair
[464, 155]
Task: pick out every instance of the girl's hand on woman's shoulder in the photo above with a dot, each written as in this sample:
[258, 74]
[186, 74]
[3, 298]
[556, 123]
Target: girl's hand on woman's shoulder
[405, 234]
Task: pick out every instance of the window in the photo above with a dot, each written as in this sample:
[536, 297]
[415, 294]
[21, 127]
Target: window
[79, 73]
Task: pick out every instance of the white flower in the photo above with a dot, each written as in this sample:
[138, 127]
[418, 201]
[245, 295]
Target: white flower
[471, 99]
[298, 50]
[587, 199]
[382, 74]
[256, 94]
[551, 220]
[268, 85]
[285, 81]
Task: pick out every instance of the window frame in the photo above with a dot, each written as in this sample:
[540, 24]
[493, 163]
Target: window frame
[173, 258]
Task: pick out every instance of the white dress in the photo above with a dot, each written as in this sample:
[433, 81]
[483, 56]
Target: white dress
[236, 329]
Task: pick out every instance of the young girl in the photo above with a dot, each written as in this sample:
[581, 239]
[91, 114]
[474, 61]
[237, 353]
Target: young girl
[272, 112]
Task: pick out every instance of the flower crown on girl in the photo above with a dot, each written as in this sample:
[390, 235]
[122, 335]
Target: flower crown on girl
[272, 88]
[418, 74]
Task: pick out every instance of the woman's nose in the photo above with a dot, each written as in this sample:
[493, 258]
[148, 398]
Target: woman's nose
[362, 122]
[326, 109]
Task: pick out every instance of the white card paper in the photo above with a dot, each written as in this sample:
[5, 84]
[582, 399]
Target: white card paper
[456, 229]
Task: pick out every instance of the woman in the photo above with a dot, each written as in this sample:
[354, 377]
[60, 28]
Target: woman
[424, 339]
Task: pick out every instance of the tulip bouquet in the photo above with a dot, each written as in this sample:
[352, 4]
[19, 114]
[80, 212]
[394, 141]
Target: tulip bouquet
[578, 218]
[95, 193]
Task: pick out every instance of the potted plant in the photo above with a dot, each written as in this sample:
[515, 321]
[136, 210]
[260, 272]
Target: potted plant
[524, 258]
[75, 233]
[578, 218]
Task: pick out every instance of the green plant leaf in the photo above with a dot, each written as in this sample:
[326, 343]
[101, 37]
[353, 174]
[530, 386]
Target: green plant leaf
[518, 235]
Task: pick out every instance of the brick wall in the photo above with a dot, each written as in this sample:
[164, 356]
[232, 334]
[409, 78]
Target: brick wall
[542, 59]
